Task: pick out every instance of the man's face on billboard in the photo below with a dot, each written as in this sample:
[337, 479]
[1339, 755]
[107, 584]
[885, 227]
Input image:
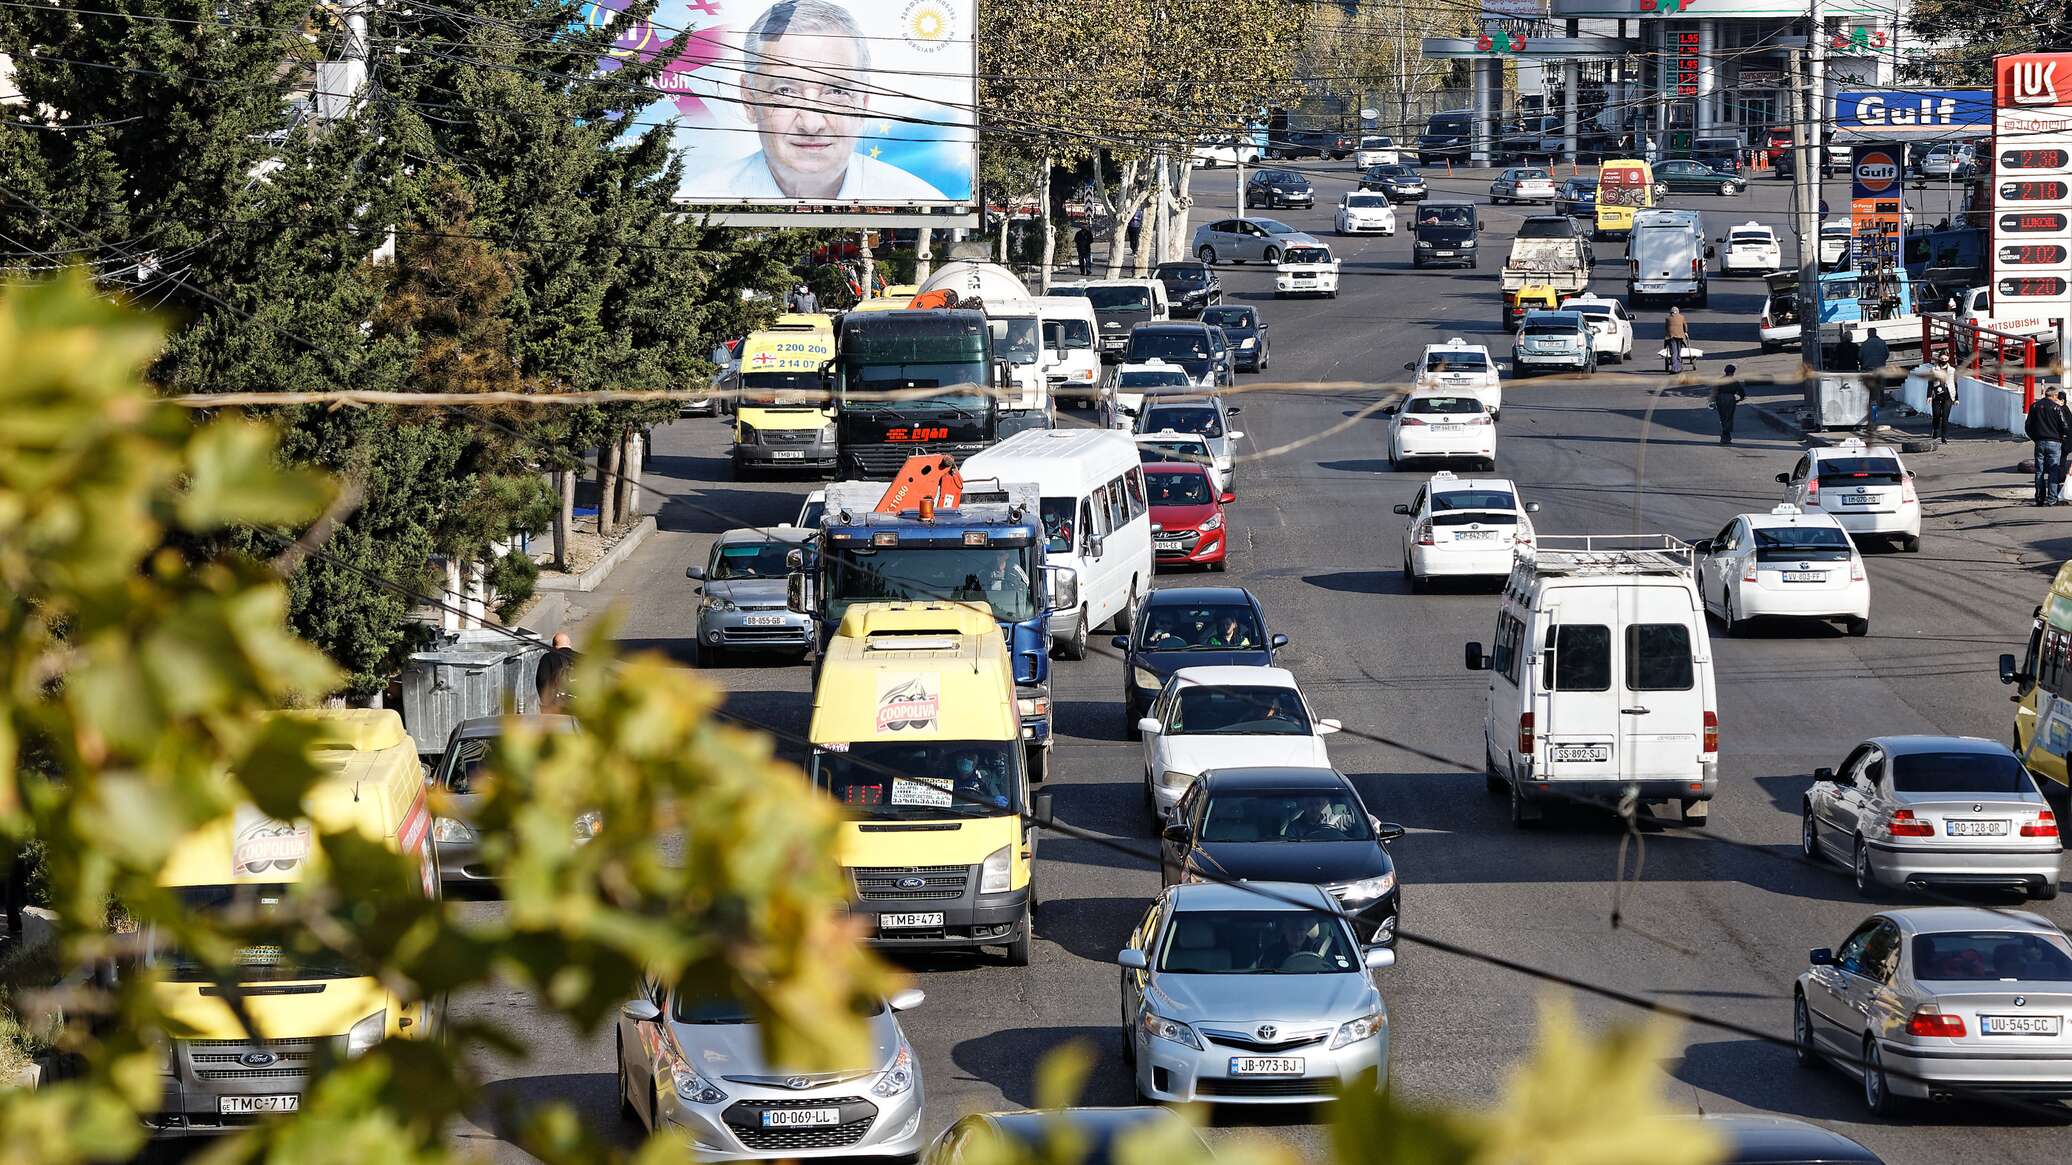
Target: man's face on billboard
[808, 110]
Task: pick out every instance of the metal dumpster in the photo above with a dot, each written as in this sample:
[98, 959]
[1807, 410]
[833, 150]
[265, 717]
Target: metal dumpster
[1837, 402]
[467, 674]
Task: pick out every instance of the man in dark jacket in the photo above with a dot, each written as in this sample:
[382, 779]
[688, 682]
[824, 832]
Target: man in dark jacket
[1083, 242]
[2049, 425]
[1725, 396]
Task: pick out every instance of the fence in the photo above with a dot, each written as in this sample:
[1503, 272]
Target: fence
[2002, 359]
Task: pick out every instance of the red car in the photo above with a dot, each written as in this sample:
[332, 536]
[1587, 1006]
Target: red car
[1187, 520]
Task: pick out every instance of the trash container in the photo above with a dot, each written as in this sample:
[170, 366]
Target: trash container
[1838, 402]
[465, 675]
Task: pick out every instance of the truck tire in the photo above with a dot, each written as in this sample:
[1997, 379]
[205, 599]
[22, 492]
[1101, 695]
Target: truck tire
[1018, 947]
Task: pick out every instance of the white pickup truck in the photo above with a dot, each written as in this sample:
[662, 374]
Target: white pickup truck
[1975, 306]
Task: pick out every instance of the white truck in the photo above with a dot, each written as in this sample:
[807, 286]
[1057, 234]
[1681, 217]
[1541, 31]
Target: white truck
[1666, 257]
[1974, 305]
[1016, 320]
[1561, 262]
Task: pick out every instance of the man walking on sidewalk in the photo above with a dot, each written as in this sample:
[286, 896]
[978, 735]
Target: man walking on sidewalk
[1725, 396]
[1942, 396]
[1676, 336]
[2049, 425]
[1083, 242]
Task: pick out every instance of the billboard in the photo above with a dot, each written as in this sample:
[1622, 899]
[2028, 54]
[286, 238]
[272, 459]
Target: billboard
[2032, 197]
[1914, 110]
[811, 104]
[1877, 233]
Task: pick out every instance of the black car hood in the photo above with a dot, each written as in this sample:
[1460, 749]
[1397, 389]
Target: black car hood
[1310, 862]
[1165, 663]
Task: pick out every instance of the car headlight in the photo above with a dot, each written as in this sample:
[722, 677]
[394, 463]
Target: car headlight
[1144, 677]
[1246, 342]
[1368, 889]
[1159, 1027]
[899, 1075]
[1033, 705]
[366, 1033]
[1366, 1027]
[995, 875]
[589, 825]
[715, 603]
[828, 432]
[692, 1087]
[1174, 778]
[447, 830]
[1468, 243]
[744, 433]
[165, 1058]
[1425, 243]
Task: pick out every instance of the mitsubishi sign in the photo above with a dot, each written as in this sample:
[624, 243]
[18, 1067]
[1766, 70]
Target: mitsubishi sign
[1914, 111]
[2032, 199]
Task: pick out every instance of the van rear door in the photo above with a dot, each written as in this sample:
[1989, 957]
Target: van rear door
[1578, 701]
[1661, 705]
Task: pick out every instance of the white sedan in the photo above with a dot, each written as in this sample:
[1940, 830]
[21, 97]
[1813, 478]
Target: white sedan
[1227, 717]
[1436, 426]
[1522, 184]
[1459, 527]
[1306, 269]
[1458, 366]
[1750, 249]
[1184, 448]
[1611, 329]
[1361, 212]
[1787, 564]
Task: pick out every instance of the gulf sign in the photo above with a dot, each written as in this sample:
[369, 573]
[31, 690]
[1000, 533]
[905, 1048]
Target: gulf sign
[1914, 111]
[1876, 170]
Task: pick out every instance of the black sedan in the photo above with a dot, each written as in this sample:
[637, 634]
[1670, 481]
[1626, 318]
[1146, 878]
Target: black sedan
[1398, 183]
[1577, 198]
[1178, 627]
[1190, 286]
[1247, 332]
[1690, 176]
[1278, 188]
[1303, 825]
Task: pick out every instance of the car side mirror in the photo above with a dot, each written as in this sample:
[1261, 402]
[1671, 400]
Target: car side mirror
[2007, 672]
[1821, 956]
[1061, 585]
[1475, 660]
[1379, 958]
[1410, 366]
[1277, 642]
[1150, 726]
[1233, 410]
[694, 572]
[640, 1010]
[1400, 508]
[1823, 774]
[1327, 726]
[1132, 959]
[1177, 834]
[1120, 643]
[1235, 434]
[1095, 544]
[1709, 252]
[1390, 411]
[1040, 808]
[1702, 546]
[798, 594]
[1226, 499]
[1388, 831]
[1784, 479]
[794, 559]
[1532, 507]
[907, 1000]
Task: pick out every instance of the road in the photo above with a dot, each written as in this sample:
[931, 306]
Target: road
[1717, 922]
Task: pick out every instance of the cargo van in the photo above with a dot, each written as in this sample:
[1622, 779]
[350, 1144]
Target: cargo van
[1069, 328]
[1624, 185]
[784, 416]
[309, 1011]
[1666, 257]
[2042, 680]
[916, 735]
[1600, 679]
[1095, 519]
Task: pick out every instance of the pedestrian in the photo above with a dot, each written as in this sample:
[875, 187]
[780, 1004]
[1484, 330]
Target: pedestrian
[1871, 357]
[1676, 334]
[1083, 242]
[804, 301]
[1873, 354]
[1136, 225]
[2049, 425]
[1942, 396]
[550, 681]
[1725, 396]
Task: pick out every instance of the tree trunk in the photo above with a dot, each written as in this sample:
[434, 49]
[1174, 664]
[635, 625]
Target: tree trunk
[636, 456]
[1183, 207]
[1050, 234]
[564, 514]
[1127, 201]
[608, 485]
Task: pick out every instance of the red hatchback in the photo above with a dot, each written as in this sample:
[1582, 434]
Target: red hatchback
[1187, 523]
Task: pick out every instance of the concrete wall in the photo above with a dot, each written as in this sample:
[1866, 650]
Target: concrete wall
[1980, 404]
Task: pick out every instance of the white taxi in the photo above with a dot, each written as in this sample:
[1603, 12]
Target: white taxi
[1184, 448]
[1786, 564]
[1750, 249]
[1431, 424]
[1867, 488]
[1306, 269]
[1611, 329]
[1134, 382]
[1464, 528]
[1458, 366]
[1365, 212]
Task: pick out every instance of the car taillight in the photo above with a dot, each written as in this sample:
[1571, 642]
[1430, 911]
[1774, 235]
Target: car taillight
[1813, 490]
[1765, 323]
[1694, 267]
[1855, 568]
[1480, 419]
[1906, 489]
[1928, 1020]
[1411, 421]
[2045, 824]
[1905, 824]
[1424, 534]
[1525, 726]
[1748, 572]
[1711, 732]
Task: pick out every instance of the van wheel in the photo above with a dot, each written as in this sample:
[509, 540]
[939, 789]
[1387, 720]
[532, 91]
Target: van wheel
[1694, 814]
[1126, 619]
[1075, 646]
[1018, 949]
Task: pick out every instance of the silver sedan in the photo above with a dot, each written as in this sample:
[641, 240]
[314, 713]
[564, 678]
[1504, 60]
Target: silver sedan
[460, 774]
[1939, 1003]
[695, 1066]
[1254, 994]
[1948, 811]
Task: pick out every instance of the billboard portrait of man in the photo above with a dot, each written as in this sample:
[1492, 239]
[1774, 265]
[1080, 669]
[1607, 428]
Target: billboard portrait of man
[806, 89]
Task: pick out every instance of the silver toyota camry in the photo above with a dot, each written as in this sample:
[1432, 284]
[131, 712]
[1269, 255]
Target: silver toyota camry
[1947, 811]
[695, 1065]
[1941, 1002]
[1239, 997]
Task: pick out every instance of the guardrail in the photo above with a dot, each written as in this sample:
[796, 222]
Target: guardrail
[2002, 359]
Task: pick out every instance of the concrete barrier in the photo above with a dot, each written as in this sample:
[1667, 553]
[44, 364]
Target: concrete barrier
[1981, 404]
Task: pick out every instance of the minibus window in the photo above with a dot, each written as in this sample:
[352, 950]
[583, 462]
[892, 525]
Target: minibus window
[1582, 658]
[1658, 657]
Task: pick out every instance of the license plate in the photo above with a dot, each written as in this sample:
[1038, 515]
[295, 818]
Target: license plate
[796, 1118]
[1859, 499]
[2019, 1025]
[909, 921]
[1473, 535]
[1975, 828]
[1168, 544]
[1582, 752]
[1266, 1065]
[1442, 254]
[1812, 576]
[253, 1105]
[763, 620]
[788, 455]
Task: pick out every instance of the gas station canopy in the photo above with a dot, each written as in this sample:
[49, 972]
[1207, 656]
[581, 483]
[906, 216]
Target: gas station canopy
[1536, 48]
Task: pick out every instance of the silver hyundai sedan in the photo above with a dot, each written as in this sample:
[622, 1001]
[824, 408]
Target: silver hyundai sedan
[1242, 997]
[1941, 1002]
[1944, 811]
[695, 1065]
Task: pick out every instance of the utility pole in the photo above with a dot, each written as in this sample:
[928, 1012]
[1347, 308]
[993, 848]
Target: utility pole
[1816, 137]
[1809, 83]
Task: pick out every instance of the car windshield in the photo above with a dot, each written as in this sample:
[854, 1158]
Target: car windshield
[1474, 499]
[1058, 514]
[1298, 256]
[1184, 274]
[1992, 956]
[1257, 942]
[1199, 419]
[1860, 471]
[1959, 772]
[1235, 318]
[1442, 404]
[1446, 216]
[1457, 361]
[1377, 143]
[1290, 815]
[1782, 543]
[1187, 345]
[760, 559]
[999, 576]
[1238, 711]
[1273, 226]
[1174, 488]
[696, 1009]
[1113, 298]
[260, 905]
[1202, 627]
[1195, 451]
[1154, 379]
[1395, 171]
[1015, 339]
[1366, 201]
[932, 778]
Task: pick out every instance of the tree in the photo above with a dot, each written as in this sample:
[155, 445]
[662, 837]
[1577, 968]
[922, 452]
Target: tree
[1961, 37]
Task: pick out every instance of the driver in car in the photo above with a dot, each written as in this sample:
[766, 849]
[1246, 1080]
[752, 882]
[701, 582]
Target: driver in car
[974, 783]
[1294, 935]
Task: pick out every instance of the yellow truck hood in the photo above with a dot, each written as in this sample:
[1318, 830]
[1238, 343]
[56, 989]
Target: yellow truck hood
[329, 1012]
[965, 844]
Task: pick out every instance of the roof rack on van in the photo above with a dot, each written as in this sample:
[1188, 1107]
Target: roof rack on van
[1585, 554]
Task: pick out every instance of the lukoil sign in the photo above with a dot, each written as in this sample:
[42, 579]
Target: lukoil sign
[1914, 109]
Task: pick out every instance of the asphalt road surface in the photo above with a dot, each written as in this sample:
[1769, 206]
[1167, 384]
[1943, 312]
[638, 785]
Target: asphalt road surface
[1718, 922]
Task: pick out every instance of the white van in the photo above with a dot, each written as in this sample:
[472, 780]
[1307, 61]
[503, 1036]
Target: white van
[1095, 517]
[1666, 256]
[1600, 679]
[1075, 371]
